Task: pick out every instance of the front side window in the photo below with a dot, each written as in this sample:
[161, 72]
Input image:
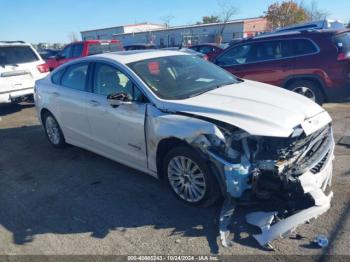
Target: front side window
[181, 76]
[12, 55]
[108, 80]
[236, 56]
[75, 76]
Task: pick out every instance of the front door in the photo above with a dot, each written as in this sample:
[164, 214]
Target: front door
[117, 132]
[266, 61]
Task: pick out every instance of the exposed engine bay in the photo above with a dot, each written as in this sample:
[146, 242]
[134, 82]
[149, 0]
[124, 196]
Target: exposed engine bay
[272, 170]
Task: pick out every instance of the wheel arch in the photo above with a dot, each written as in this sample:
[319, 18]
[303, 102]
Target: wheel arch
[163, 147]
[315, 79]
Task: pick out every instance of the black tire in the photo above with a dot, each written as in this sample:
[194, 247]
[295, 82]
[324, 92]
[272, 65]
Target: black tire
[60, 142]
[212, 190]
[312, 88]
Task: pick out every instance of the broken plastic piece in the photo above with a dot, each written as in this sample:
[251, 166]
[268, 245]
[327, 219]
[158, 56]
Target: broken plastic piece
[286, 225]
[321, 240]
[225, 219]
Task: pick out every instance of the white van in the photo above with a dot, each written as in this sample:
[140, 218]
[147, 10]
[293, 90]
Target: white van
[20, 67]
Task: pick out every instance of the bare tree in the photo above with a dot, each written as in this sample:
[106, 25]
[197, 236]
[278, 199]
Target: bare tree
[167, 19]
[226, 11]
[73, 37]
[314, 13]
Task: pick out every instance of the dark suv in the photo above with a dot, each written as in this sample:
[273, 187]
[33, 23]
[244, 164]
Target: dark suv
[313, 63]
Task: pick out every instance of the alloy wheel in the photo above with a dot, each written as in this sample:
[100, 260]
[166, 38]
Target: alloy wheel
[186, 179]
[305, 91]
[52, 130]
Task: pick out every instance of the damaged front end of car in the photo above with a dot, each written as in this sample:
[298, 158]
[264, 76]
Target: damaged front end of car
[290, 174]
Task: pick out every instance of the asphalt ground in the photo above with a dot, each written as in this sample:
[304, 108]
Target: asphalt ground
[72, 201]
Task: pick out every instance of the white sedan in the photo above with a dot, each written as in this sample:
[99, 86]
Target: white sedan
[207, 133]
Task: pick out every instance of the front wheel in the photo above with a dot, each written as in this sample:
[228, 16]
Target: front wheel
[190, 178]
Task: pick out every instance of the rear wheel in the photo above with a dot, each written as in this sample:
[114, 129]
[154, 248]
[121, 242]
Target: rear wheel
[53, 131]
[307, 89]
[190, 178]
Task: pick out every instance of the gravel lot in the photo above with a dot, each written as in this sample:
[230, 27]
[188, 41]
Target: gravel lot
[72, 201]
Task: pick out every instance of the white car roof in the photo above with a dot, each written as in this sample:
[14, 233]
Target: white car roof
[126, 57]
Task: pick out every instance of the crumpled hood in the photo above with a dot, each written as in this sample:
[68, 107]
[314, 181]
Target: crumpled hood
[257, 108]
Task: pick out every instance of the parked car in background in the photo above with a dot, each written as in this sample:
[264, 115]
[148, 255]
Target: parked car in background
[84, 48]
[48, 53]
[139, 47]
[187, 51]
[20, 67]
[209, 49]
[313, 63]
[205, 132]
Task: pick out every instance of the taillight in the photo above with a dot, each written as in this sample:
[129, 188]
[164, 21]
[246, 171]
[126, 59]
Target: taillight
[43, 68]
[343, 56]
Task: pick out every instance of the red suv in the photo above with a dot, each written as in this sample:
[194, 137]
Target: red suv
[84, 48]
[314, 63]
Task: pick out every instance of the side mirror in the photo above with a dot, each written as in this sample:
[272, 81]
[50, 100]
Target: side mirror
[117, 99]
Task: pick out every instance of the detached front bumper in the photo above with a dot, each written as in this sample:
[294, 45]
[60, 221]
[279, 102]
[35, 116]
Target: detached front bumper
[313, 184]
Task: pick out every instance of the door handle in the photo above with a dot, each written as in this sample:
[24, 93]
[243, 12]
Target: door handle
[55, 93]
[94, 103]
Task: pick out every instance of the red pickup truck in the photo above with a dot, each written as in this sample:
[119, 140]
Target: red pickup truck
[84, 48]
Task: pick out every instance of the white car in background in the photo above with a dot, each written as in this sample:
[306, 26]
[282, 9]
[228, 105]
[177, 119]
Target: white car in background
[20, 67]
[207, 133]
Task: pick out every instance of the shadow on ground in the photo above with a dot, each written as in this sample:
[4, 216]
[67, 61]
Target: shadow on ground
[46, 190]
[10, 108]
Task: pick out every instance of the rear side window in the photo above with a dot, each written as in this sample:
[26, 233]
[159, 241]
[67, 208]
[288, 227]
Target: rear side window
[11, 55]
[100, 48]
[75, 76]
[77, 50]
[56, 77]
[303, 47]
[267, 51]
[343, 42]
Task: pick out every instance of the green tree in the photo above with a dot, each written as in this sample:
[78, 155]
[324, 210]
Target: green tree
[209, 19]
[286, 13]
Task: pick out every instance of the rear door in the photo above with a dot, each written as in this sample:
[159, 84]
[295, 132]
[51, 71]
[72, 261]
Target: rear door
[71, 97]
[18, 67]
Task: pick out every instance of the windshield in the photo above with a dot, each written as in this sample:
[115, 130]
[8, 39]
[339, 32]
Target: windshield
[12, 55]
[181, 77]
